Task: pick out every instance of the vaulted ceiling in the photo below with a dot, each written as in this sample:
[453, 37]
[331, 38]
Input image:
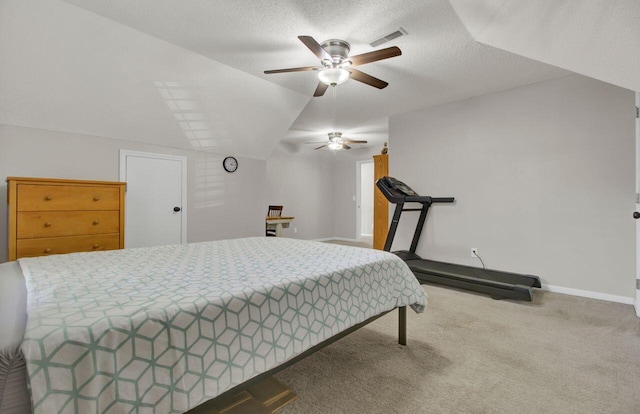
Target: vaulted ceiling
[137, 69]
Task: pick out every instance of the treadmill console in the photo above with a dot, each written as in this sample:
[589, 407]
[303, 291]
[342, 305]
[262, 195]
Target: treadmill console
[398, 192]
[398, 185]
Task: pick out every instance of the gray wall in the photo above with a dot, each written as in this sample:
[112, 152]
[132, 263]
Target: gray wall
[317, 188]
[345, 189]
[302, 182]
[220, 205]
[543, 177]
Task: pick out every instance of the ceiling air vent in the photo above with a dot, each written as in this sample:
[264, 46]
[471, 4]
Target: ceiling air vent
[390, 36]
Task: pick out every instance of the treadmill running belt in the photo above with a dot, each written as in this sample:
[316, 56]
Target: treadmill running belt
[453, 270]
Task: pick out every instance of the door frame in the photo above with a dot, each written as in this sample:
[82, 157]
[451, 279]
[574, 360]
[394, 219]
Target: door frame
[359, 196]
[124, 154]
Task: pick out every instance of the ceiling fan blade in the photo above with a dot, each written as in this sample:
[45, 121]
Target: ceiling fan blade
[375, 55]
[345, 146]
[368, 79]
[315, 47]
[354, 141]
[302, 69]
[321, 89]
[322, 146]
[317, 142]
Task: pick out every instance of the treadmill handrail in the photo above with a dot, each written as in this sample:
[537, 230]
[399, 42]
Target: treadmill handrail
[443, 199]
[399, 193]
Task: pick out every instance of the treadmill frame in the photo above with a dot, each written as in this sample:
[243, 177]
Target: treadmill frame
[497, 289]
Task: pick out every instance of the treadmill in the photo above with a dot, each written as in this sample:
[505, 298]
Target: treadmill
[498, 284]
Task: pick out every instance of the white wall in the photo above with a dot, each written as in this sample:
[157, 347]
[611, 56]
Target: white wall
[220, 205]
[543, 177]
[317, 188]
[345, 190]
[302, 182]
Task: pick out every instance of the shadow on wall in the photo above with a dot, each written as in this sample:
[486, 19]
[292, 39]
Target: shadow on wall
[209, 182]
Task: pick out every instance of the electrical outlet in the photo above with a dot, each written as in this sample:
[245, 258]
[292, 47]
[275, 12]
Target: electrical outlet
[295, 229]
[474, 252]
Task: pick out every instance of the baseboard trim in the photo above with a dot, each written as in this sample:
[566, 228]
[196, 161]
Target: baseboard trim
[338, 238]
[551, 288]
[589, 294]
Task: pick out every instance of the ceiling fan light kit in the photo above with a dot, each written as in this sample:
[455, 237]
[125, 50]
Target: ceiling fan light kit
[336, 142]
[333, 76]
[336, 66]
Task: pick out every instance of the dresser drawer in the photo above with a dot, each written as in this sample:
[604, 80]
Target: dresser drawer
[32, 224]
[59, 198]
[58, 245]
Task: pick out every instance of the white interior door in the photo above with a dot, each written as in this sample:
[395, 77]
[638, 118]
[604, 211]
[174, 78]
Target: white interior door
[155, 204]
[637, 205]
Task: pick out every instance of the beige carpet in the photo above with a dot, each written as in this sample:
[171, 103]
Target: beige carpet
[469, 353]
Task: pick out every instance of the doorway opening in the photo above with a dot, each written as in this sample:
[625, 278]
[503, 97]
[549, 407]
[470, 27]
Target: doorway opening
[364, 201]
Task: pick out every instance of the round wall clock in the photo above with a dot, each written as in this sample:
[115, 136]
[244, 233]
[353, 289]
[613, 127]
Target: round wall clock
[230, 164]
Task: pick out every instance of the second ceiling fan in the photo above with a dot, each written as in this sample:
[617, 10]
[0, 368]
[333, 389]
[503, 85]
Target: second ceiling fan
[337, 66]
[336, 142]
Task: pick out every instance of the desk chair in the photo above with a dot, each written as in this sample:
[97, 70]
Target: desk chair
[274, 211]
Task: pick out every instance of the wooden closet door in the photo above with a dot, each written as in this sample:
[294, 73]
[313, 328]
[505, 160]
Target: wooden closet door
[380, 203]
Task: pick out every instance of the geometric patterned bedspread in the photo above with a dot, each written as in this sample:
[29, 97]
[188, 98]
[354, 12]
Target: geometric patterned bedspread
[163, 329]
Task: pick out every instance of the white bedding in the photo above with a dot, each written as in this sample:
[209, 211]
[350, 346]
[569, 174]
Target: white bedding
[166, 328]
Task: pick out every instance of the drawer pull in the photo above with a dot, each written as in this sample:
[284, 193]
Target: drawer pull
[96, 246]
[47, 250]
[47, 224]
[96, 198]
[96, 222]
[47, 198]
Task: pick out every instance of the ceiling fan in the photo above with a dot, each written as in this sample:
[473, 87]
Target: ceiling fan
[336, 66]
[336, 142]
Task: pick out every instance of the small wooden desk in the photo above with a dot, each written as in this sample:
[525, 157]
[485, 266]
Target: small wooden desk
[279, 223]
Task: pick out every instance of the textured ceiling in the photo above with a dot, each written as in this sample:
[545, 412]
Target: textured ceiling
[114, 68]
[440, 61]
[600, 38]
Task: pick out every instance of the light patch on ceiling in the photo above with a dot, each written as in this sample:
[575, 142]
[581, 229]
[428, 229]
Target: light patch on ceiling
[186, 112]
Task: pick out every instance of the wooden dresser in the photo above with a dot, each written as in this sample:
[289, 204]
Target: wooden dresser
[53, 216]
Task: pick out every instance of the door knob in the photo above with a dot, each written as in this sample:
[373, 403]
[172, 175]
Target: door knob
[176, 209]
[636, 215]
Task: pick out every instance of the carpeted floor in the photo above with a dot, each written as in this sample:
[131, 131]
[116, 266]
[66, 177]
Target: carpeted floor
[469, 353]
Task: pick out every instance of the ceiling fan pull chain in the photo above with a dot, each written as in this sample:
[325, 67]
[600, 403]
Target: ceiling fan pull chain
[335, 116]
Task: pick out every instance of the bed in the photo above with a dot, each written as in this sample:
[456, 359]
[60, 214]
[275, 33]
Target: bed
[164, 329]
